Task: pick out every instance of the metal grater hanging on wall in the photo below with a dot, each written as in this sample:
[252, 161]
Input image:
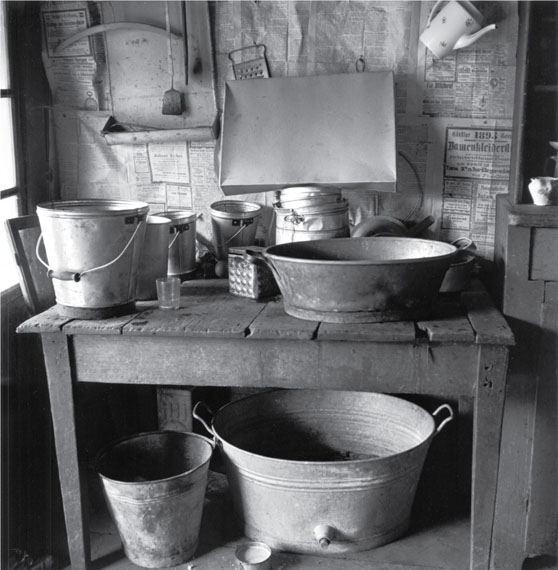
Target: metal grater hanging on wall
[255, 68]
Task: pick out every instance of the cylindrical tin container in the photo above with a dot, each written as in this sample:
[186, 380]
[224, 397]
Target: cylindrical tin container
[154, 485]
[182, 243]
[349, 461]
[234, 223]
[154, 258]
[93, 248]
[312, 222]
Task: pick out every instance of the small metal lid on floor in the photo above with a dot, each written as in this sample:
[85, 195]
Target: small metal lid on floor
[254, 556]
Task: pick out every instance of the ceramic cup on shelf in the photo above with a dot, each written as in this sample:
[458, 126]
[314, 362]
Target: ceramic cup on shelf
[544, 190]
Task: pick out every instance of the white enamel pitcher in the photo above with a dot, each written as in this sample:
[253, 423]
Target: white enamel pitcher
[454, 26]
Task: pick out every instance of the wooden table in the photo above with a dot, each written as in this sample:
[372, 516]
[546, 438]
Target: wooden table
[217, 339]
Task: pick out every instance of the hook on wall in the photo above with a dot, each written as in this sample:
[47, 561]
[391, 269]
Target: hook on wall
[360, 64]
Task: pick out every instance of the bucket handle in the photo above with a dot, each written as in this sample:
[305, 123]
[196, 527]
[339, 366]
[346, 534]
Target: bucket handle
[447, 420]
[242, 228]
[195, 414]
[76, 276]
[177, 230]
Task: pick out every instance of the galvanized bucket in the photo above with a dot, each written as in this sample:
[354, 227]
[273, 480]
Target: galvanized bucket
[154, 485]
[93, 249]
[318, 471]
[234, 224]
[154, 258]
[182, 244]
[311, 222]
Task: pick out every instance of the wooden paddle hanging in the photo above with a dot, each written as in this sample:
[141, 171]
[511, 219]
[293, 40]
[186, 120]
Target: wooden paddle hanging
[172, 99]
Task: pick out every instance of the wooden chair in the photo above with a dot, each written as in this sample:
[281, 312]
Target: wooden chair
[35, 284]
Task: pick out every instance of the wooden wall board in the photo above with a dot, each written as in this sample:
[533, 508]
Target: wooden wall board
[138, 64]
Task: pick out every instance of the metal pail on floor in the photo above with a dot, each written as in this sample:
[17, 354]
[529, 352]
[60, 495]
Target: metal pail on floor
[182, 244]
[234, 223]
[93, 248]
[154, 485]
[154, 258]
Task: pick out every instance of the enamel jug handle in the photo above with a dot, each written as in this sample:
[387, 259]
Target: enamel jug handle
[433, 12]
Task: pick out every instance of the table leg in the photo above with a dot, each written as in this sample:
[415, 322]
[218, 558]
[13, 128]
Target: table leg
[72, 484]
[487, 430]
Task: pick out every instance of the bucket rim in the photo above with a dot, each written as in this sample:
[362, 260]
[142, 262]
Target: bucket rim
[323, 210]
[157, 220]
[426, 441]
[318, 190]
[113, 444]
[254, 209]
[310, 202]
[186, 216]
[86, 208]
[450, 252]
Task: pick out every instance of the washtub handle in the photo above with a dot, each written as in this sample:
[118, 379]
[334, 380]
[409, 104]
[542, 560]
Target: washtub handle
[195, 414]
[447, 420]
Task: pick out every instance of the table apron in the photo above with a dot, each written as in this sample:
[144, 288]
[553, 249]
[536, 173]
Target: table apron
[447, 369]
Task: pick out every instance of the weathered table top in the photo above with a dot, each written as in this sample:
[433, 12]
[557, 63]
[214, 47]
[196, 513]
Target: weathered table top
[208, 310]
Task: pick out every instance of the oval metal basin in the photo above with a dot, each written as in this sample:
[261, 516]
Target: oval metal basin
[360, 280]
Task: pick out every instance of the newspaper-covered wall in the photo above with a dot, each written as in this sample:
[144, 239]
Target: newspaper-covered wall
[453, 118]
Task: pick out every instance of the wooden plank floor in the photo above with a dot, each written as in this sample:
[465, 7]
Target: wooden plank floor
[441, 543]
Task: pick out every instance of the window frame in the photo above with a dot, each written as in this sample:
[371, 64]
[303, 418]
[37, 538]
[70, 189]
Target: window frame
[12, 93]
[31, 110]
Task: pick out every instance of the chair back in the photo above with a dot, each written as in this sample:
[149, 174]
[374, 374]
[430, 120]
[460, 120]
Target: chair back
[36, 286]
